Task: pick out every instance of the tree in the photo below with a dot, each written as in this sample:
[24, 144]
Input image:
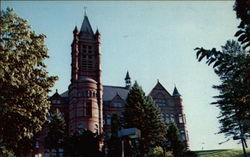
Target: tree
[83, 144]
[24, 81]
[232, 65]
[141, 112]
[56, 132]
[176, 144]
[242, 8]
[114, 143]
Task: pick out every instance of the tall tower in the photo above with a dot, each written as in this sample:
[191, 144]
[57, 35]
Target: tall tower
[85, 90]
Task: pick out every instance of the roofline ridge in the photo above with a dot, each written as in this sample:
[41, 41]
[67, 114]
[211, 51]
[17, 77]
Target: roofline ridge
[114, 86]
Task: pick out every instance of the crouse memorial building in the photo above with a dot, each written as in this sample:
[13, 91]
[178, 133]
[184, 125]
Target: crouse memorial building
[89, 104]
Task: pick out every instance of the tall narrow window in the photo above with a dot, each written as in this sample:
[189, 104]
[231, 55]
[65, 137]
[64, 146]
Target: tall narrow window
[181, 118]
[89, 108]
[104, 119]
[183, 135]
[172, 118]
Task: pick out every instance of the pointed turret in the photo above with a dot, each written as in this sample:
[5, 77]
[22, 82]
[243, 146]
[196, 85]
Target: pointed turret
[97, 34]
[75, 30]
[127, 81]
[86, 27]
[175, 92]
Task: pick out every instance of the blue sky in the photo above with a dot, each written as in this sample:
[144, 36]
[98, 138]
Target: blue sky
[153, 40]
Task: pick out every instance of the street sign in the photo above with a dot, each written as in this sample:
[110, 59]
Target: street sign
[131, 132]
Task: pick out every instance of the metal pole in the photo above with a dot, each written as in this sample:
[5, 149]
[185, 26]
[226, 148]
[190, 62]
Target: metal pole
[164, 155]
[122, 148]
[242, 140]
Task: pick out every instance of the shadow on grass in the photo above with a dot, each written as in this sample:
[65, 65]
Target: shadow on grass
[241, 155]
[222, 153]
[212, 151]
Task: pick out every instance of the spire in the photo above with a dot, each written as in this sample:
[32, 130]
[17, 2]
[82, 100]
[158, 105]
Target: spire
[97, 34]
[85, 11]
[127, 76]
[75, 30]
[176, 93]
[127, 81]
[86, 27]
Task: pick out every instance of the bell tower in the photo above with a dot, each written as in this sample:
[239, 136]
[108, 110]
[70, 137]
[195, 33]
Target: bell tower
[85, 89]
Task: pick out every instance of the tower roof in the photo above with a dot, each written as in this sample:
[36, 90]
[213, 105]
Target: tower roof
[175, 92]
[127, 76]
[86, 27]
[97, 32]
[75, 30]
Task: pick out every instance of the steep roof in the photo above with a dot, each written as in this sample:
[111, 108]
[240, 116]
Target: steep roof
[86, 27]
[159, 87]
[109, 92]
[65, 94]
[127, 76]
[55, 95]
[176, 92]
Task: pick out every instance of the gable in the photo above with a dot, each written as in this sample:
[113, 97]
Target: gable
[159, 91]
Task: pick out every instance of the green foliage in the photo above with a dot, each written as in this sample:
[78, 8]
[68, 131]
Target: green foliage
[6, 153]
[56, 131]
[83, 144]
[24, 82]
[141, 112]
[115, 125]
[176, 144]
[114, 143]
[158, 152]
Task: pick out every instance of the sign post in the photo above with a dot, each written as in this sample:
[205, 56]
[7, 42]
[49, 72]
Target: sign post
[132, 133]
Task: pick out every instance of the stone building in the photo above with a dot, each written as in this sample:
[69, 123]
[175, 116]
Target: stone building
[89, 104]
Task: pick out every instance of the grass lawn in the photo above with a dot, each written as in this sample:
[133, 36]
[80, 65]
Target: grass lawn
[222, 153]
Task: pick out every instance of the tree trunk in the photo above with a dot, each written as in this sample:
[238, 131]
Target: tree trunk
[243, 147]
